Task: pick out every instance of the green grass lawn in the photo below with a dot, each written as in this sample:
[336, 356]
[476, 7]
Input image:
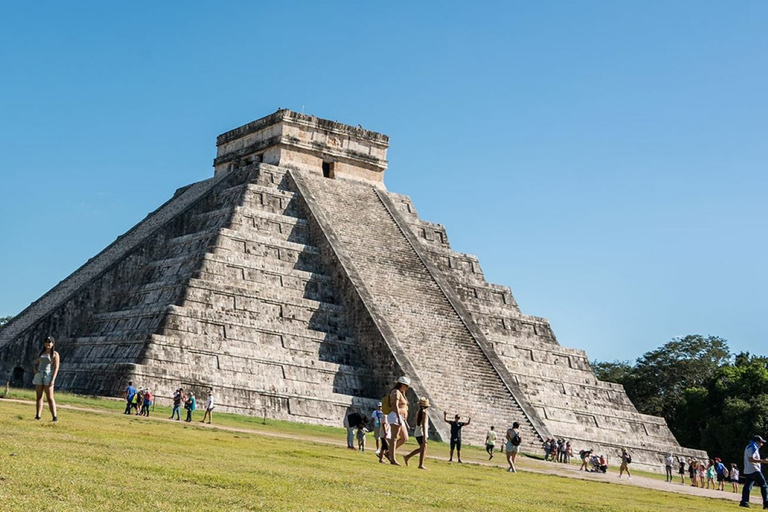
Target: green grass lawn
[97, 461]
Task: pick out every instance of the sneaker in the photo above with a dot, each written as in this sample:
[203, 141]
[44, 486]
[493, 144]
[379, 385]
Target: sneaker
[37, 418]
[745, 505]
[55, 419]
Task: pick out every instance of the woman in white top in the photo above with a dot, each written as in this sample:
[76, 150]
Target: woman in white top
[421, 433]
[46, 368]
[208, 408]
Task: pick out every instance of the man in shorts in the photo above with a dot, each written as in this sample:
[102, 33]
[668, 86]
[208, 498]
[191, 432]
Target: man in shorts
[456, 427]
[753, 473]
[490, 442]
[376, 417]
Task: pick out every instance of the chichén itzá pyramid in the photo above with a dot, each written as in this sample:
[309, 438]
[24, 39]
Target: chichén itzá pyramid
[297, 286]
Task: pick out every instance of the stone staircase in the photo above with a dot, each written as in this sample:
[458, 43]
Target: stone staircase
[451, 365]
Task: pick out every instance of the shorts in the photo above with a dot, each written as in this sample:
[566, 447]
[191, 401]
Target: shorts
[735, 480]
[511, 448]
[377, 431]
[395, 419]
[720, 478]
[624, 467]
[420, 440]
[456, 443]
[384, 444]
[682, 471]
[42, 379]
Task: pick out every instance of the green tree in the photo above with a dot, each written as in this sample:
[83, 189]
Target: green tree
[617, 371]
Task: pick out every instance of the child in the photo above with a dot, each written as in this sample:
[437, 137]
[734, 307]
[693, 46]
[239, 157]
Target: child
[734, 477]
[361, 431]
[384, 434]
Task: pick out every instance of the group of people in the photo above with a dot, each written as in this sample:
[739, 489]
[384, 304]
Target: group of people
[390, 427]
[138, 399]
[141, 399]
[558, 450]
[713, 472]
[593, 462]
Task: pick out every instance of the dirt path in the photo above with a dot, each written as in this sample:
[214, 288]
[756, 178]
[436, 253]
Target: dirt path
[523, 463]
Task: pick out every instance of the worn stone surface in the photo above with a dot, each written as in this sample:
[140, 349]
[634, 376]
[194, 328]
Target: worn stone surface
[297, 286]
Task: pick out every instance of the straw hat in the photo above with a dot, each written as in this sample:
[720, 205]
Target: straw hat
[423, 402]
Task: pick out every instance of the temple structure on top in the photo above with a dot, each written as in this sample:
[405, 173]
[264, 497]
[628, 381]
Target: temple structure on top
[297, 286]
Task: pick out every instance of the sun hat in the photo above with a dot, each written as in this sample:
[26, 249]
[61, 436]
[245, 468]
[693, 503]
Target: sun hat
[758, 439]
[424, 402]
[378, 404]
[404, 380]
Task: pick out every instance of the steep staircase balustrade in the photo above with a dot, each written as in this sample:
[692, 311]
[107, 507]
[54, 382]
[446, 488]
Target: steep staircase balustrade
[506, 377]
[367, 300]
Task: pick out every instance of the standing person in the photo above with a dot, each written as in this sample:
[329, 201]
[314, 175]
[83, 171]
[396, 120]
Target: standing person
[351, 422]
[456, 427]
[693, 472]
[178, 399]
[513, 445]
[626, 460]
[421, 433]
[752, 472]
[376, 416]
[208, 408]
[190, 406]
[46, 369]
[668, 461]
[397, 417]
[147, 403]
[139, 401]
[361, 431]
[130, 394]
[711, 474]
[547, 449]
[734, 475]
[721, 472]
[568, 452]
[585, 455]
[681, 469]
[490, 442]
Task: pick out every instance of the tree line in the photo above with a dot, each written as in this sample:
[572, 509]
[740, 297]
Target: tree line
[711, 399]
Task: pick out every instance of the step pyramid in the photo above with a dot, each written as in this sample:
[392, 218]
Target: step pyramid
[294, 284]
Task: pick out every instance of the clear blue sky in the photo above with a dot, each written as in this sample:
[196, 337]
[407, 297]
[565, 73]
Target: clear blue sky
[607, 160]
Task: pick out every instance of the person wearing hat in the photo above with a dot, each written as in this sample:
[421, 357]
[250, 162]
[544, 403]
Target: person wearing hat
[397, 417]
[752, 472]
[626, 460]
[209, 404]
[376, 417]
[421, 432]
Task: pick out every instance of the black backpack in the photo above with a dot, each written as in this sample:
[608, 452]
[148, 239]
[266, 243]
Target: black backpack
[516, 439]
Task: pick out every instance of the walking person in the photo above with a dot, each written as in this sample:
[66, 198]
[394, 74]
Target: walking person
[190, 406]
[208, 407]
[147, 402]
[753, 473]
[351, 421]
[178, 399]
[722, 472]
[456, 427]
[421, 433]
[130, 394]
[490, 442]
[384, 434]
[710, 472]
[46, 369]
[626, 460]
[376, 417]
[513, 445]
[668, 461]
[396, 417]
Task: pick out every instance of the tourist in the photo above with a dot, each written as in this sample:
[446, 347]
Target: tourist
[668, 461]
[456, 427]
[139, 399]
[602, 464]
[681, 469]
[734, 476]
[626, 460]
[351, 421]
[178, 398]
[376, 416]
[721, 471]
[490, 442]
[702, 476]
[361, 431]
[710, 474]
[209, 404]
[585, 455]
[190, 406]
[753, 473]
[421, 433]
[513, 445]
[547, 448]
[130, 394]
[147, 402]
[384, 433]
[397, 417]
[568, 452]
[693, 471]
[46, 369]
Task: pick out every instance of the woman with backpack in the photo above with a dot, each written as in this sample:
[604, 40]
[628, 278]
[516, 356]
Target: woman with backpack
[513, 446]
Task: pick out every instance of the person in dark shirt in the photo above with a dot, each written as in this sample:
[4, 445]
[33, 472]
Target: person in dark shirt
[354, 419]
[456, 427]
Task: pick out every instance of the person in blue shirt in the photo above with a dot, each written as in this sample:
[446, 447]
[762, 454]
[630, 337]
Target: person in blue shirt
[190, 406]
[130, 392]
[752, 472]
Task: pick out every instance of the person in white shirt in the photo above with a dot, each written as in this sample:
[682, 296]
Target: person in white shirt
[668, 466]
[490, 442]
[421, 433]
[208, 408]
[752, 473]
